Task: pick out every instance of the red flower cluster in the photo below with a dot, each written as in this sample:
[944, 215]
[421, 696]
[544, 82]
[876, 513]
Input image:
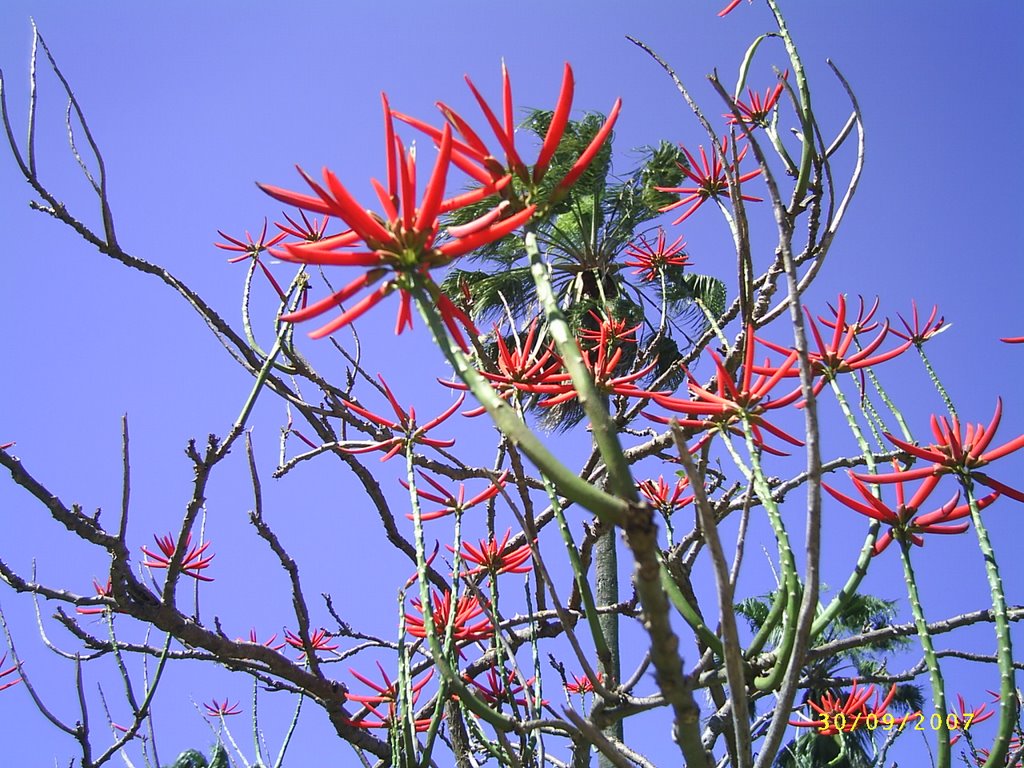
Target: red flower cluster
[854, 710]
[401, 243]
[918, 334]
[191, 564]
[465, 609]
[520, 370]
[502, 688]
[652, 260]
[967, 718]
[840, 355]
[406, 424]
[603, 367]
[582, 684]
[452, 504]
[756, 110]
[610, 330]
[221, 708]
[385, 694]
[493, 557]
[663, 499]
[102, 590]
[711, 180]
[732, 402]
[905, 524]
[319, 640]
[956, 453]
[399, 246]
[251, 249]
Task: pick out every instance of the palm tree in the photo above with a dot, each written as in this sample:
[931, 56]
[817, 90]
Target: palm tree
[583, 238]
[861, 613]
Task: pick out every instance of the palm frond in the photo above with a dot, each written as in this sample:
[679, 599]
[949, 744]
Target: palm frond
[491, 291]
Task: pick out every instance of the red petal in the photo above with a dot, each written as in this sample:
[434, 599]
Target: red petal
[557, 126]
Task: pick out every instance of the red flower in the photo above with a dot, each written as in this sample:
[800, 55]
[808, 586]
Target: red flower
[406, 424]
[710, 179]
[957, 454]
[474, 158]
[269, 643]
[221, 708]
[610, 330]
[310, 231]
[320, 640]
[191, 564]
[251, 249]
[747, 401]
[836, 357]
[653, 260]
[602, 367]
[401, 243]
[465, 608]
[582, 684]
[453, 503]
[905, 524]
[968, 718]
[864, 322]
[757, 110]
[493, 558]
[500, 688]
[388, 693]
[919, 334]
[661, 498]
[520, 369]
[855, 711]
[6, 672]
[102, 590]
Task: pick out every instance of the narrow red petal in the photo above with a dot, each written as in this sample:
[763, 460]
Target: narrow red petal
[557, 127]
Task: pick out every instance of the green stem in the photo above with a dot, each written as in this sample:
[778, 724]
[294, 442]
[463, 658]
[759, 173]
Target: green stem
[871, 415]
[1004, 648]
[860, 568]
[931, 660]
[589, 606]
[787, 562]
[775, 614]
[608, 508]
[687, 611]
[299, 280]
[890, 405]
[605, 431]
[803, 108]
[935, 380]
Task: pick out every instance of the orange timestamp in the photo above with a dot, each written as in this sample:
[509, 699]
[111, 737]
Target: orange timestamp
[840, 721]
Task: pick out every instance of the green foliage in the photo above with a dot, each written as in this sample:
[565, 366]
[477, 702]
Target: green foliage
[220, 757]
[583, 238]
[190, 758]
[193, 758]
[860, 613]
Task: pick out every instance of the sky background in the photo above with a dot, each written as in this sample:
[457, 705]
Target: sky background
[192, 104]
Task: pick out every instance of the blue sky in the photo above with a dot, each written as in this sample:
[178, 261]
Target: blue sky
[193, 104]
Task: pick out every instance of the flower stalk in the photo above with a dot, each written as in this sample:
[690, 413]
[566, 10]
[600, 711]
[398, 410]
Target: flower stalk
[931, 660]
